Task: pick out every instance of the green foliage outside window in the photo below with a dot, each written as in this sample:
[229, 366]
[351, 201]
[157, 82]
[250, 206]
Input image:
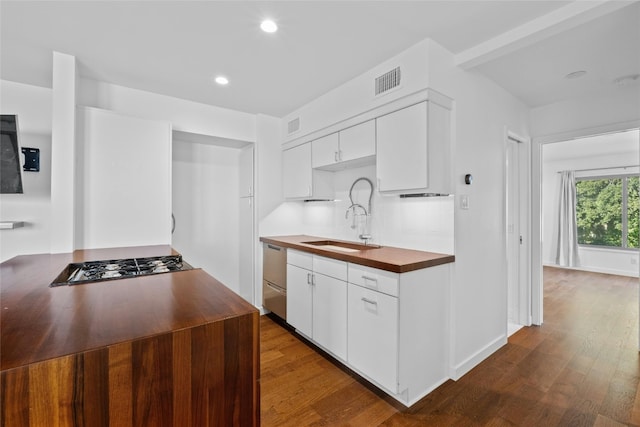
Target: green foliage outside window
[634, 210]
[599, 212]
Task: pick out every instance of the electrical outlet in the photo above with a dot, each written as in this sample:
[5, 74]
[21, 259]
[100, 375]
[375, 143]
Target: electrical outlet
[634, 260]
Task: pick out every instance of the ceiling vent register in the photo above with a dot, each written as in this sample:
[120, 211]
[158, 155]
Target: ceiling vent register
[293, 126]
[388, 81]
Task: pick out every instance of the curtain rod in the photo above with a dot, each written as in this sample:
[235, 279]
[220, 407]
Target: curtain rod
[604, 168]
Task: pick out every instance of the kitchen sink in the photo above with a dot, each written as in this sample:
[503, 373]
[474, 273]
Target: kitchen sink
[341, 246]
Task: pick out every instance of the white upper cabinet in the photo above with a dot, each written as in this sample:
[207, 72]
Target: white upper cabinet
[300, 181]
[413, 149]
[124, 182]
[358, 142]
[325, 151]
[350, 147]
[296, 169]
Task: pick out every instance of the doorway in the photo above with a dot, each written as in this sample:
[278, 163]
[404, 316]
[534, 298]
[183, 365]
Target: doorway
[540, 222]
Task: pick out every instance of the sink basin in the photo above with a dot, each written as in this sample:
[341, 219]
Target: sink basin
[341, 246]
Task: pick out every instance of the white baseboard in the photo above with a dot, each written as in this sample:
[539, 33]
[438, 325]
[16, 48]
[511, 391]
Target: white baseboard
[468, 364]
[625, 273]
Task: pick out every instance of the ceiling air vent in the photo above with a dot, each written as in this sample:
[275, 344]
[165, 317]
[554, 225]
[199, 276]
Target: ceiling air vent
[293, 126]
[388, 81]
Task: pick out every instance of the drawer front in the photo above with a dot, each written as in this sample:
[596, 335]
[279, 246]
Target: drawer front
[330, 267]
[300, 259]
[373, 278]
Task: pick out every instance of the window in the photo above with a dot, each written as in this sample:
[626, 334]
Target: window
[607, 211]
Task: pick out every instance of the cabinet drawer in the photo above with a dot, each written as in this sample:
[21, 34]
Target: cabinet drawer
[373, 278]
[300, 259]
[330, 267]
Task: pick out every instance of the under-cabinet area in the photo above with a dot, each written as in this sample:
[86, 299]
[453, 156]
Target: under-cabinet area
[386, 320]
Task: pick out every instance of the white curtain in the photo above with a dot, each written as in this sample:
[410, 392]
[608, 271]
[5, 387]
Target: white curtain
[567, 242]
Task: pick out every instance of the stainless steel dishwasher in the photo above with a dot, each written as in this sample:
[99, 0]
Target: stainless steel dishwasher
[274, 279]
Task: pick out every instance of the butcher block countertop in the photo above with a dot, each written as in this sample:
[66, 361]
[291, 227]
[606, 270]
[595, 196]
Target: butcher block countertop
[397, 260]
[39, 322]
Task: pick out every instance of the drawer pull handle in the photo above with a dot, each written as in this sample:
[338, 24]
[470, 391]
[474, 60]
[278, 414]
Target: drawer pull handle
[373, 279]
[368, 301]
[308, 278]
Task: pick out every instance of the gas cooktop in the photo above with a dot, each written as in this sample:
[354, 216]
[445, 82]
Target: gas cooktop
[97, 271]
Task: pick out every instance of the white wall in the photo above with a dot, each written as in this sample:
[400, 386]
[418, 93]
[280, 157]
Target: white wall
[415, 223]
[186, 116]
[205, 205]
[359, 92]
[32, 104]
[608, 155]
[63, 153]
[578, 116]
[481, 112]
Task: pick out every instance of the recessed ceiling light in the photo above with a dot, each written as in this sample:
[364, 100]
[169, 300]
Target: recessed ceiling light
[221, 80]
[625, 80]
[268, 26]
[575, 74]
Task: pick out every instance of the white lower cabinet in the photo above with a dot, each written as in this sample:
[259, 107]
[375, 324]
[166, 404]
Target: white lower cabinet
[391, 328]
[330, 314]
[299, 299]
[398, 329]
[372, 338]
[317, 300]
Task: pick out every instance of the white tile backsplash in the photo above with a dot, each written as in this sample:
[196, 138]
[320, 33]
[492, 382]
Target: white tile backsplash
[414, 223]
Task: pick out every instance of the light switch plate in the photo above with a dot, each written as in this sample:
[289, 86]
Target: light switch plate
[464, 201]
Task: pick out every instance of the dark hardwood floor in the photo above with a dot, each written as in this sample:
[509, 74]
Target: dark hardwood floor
[581, 368]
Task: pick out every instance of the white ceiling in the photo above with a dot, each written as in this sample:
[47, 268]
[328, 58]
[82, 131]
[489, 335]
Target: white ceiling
[176, 47]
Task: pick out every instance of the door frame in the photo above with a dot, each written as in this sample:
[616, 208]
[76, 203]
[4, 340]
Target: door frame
[537, 309]
[524, 304]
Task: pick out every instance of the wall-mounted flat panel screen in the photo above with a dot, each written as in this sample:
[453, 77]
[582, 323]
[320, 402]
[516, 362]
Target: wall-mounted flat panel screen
[10, 170]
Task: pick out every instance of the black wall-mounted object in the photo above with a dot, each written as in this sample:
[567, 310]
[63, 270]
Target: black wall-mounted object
[468, 179]
[10, 173]
[31, 159]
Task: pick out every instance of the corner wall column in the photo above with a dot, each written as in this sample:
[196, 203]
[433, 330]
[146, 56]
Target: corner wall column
[63, 153]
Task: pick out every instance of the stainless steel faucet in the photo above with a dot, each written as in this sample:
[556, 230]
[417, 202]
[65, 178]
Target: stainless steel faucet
[363, 235]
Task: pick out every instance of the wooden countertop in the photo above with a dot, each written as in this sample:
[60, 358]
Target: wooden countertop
[39, 323]
[397, 260]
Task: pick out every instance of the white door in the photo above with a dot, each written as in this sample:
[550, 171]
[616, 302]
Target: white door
[516, 199]
[330, 314]
[372, 344]
[246, 233]
[401, 138]
[325, 151]
[299, 299]
[296, 171]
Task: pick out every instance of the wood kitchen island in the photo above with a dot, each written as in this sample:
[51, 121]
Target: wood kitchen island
[172, 349]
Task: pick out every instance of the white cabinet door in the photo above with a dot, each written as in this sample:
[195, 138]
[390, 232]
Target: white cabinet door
[372, 336]
[124, 180]
[296, 169]
[325, 151]
[330, 314]
[401, 161]
[299, 299]
[358, 141]
[300, 181]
